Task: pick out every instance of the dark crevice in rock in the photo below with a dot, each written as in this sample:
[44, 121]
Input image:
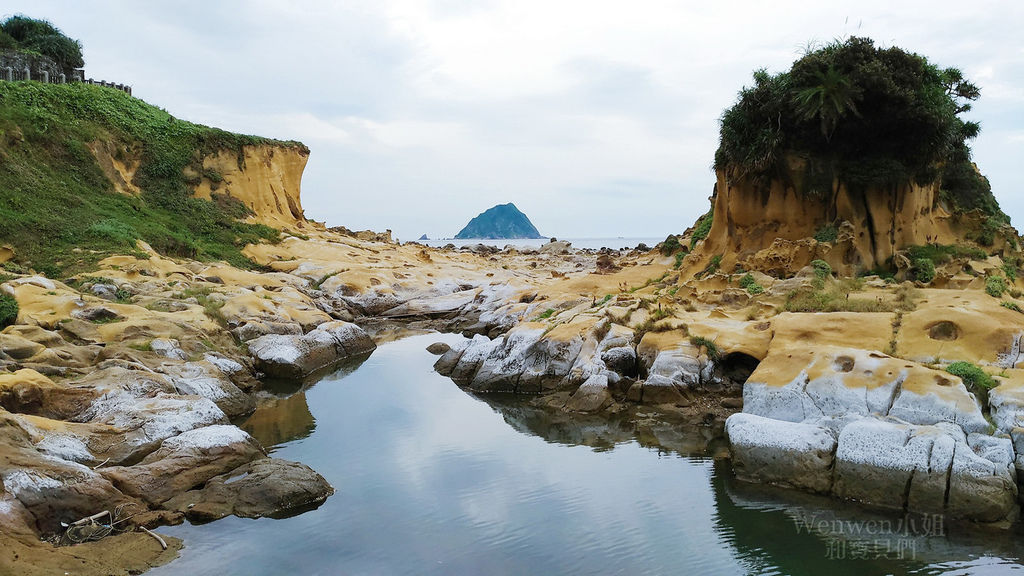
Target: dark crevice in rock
[949, 478]
[896, 391]
[906, 491]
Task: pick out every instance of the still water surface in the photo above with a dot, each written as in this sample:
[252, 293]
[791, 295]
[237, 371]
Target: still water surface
[431, 480]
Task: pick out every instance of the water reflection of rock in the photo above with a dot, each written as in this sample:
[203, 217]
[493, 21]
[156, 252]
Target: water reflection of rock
[798, 533]
[282, 414]
[280, 420]
[645, 425]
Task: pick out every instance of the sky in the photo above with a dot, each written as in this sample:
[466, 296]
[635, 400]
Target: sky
[596, 118]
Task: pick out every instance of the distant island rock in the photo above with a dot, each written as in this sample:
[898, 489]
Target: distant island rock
[424, 237]
[503, 221]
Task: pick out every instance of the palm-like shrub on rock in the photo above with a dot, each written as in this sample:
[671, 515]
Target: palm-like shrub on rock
[867, 116]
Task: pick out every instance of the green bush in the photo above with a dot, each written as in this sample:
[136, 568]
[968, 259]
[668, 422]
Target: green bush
[995, 286]
[6, 42]
[974, 378]
[827, 233]
[712, 267]
[670, 245]
[748, 283]
[923, 270]
[114, 230]
[821, 269]
[701, 228]
[941, 253]
[1010, 269]
[1011, 306]
[8, 310]
[709, 346]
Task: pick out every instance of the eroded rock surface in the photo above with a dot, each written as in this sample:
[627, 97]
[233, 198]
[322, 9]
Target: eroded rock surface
[264, 487]
[298, 356]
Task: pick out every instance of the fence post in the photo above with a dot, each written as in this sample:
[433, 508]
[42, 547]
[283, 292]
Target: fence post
[10, 74]
[45, 79]
[62, 79]
[28, 74]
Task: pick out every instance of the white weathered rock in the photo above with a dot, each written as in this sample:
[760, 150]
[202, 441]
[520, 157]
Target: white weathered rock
[877, 461]
[147, 421]
[790, 402]
[924, 469]
[591, 395]
[296, 357]
[185, 461]
[226, 365]
[951, 404]
[168, 348]
[777, 452]
[38, 281]
[206, 380]
[980, 489]
[255, 328]
[1006, 403]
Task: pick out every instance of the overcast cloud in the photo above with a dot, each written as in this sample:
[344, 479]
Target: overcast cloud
[595, 118]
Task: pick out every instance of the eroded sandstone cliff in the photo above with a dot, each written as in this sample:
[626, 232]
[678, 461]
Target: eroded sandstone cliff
[771, 226]
[266, 178]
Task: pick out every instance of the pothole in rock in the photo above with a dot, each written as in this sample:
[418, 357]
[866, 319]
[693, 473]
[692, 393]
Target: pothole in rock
[842, 364]
[944, 330]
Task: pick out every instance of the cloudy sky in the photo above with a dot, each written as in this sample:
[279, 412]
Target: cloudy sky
[596, 118]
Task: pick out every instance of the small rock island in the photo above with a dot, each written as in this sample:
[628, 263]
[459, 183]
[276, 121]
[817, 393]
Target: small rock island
[503, 221]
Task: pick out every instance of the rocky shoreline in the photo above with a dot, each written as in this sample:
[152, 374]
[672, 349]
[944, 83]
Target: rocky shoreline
[122, 385]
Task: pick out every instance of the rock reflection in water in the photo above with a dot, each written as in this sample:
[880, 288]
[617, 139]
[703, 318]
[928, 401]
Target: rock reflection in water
[765, 524]
[649, 427]
[280, 420]
[282, 413]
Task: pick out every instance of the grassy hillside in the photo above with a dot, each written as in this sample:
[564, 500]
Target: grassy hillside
[62, 214]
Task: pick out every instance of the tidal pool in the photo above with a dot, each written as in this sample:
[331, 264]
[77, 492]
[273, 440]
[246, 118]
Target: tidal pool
[431, 480]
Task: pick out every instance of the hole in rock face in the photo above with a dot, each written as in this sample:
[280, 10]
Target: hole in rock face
[842, 364]
[737, 367]
[944, 330]
[943, 381]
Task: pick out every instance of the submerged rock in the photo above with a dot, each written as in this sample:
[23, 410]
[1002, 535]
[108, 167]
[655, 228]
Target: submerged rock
[438, 348]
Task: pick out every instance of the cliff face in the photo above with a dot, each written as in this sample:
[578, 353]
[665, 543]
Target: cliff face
[266, 178]
[772, 227]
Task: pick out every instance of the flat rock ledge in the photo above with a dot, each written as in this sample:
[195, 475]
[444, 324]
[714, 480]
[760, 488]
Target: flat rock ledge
[291, 356]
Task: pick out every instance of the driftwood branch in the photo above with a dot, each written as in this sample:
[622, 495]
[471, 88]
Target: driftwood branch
[163, 545]
[91, 519]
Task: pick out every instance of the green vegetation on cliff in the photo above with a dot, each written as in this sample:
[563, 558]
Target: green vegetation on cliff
[62, 214]
[869, 116]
